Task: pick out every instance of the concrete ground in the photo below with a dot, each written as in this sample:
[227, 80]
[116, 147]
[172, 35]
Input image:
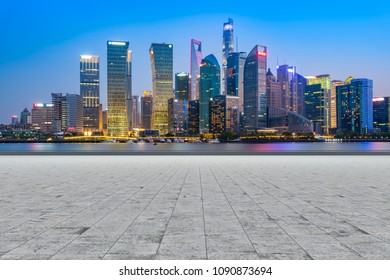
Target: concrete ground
[194, 207]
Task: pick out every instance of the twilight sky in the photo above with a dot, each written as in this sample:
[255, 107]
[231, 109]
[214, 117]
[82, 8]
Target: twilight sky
[41, 40]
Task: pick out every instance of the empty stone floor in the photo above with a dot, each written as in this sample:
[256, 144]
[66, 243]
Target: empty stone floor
[195, 207]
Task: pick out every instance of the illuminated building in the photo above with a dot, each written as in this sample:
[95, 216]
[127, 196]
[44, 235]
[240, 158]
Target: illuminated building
[74, 113]
[235, 76]
[90, 91]
[196, 60]
[177, 116]
[381, 113]
[274, 98]
[117, 67]
[136, 111]
[318, 102]
[59, 112]
[355, 106]
[193, 117]
[301, 86]
[288, 80]
[161, 59]
[129, 99]
[333, 104]
[287, 121]
[41, 117]
[227, 48]
[224, 114]
[209, 88]
[14, 120]
[182, 86]
[25, 117]
[146, 110]
[255, 97]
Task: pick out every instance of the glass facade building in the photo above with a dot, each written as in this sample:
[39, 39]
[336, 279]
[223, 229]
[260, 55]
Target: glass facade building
[274, 98]
[42, 116]
[235, 76]
[315, 107]
[146, 110]
[209, 88]
[182, 86]
[227, 48]
[224, 114]
[196, 60]
[117, 53]
[90, 91]
[161, 59]
[355, 106]
[255, 96]
[288, 79]
[381, 114]
[193, 117]
[129, 99]
[177, 116]
[74, 113]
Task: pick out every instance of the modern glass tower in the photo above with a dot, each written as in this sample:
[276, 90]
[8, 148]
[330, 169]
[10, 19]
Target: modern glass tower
[273, 91]
[288, 80]
[161, 60]
[227, 48]
[210, 78]
[117, 52]
[321, 112]
[182, 86]
[129, 99]
[90, 91]
[355, 106]
[382, 114]
[146, 110]
[255, 97]
[235, 77]
[196, 59]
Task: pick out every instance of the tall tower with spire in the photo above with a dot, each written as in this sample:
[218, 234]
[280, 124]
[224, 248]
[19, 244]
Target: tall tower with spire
[227, 48]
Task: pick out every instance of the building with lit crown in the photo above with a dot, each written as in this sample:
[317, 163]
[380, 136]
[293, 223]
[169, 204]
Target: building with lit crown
[90, 92]
[182, 86]
[255, 90]
[42, 116]
[227, 48]
[117, 67]
[161, 60]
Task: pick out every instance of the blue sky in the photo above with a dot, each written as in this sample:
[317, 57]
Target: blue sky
[41, 40]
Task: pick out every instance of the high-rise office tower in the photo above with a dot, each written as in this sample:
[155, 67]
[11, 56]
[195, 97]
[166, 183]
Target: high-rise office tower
[193, 117]
[301, 86]
[161, 60]
[196, 59]
[255, 97]
[14, 120]
[209, 86]
[227, 48]
[333, 104]
[129, 98]
[74, 113]
[177, 116]
[90, 91]
[355, 106]
[382, 114]
[135, 111]
[224, 114]
[235, 76]
[318, 105]
[117, 79]
[274, 98]
[146, 110]
[288, 80]
[25, 117]
[42, 116]
[182, 86]
[59, 112]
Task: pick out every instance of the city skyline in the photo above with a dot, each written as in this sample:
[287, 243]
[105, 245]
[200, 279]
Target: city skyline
[35, 62]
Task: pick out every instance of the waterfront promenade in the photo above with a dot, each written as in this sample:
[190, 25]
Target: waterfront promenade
[194, 207]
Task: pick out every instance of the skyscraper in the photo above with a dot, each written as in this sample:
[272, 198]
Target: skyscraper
[193, 117]
[42, 116]
[301, 80]
[227, 48]
[196, 59]
[274, 98]
[59, 112]
[209, 87]
[355, 106]
[146, 110]
[25, 117]
[74, 113]
[321, 112]
[177, 116]
[117, 66]
[161, 59]
[333, 104]
[235, 76]
[135, 111]
[255, 98]
[182, 86]
[129, 99]
[288, 80]
[224, 114]
[382, 114]
[90, 91]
